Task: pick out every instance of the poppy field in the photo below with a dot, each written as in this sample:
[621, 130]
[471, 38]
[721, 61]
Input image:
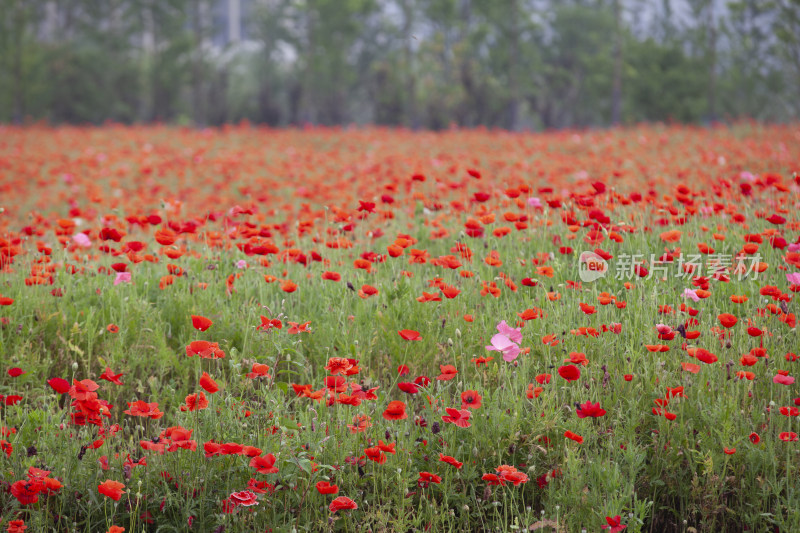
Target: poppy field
[251, 330]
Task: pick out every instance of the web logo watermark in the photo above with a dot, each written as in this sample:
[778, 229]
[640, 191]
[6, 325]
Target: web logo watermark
[725, 267]
[691, 266]
[591, 267]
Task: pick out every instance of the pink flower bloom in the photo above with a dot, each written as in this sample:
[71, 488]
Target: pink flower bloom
[793, 278]
[122, 277]
[780, 379]
[82, 240]
[241, 263]
[501, 343]
[747, 176]
[664, 329]
[689, 293]
[535, 203]
[514, 334]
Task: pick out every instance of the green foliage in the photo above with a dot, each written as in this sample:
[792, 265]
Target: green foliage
[428, 63]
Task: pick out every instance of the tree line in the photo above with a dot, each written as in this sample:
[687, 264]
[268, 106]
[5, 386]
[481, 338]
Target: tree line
[514, 64]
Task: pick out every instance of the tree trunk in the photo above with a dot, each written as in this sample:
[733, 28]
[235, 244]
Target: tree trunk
[234, 21]
[513, 66]
[712, 64]
[616, 90]
[197, 75]
[411, 120]
[19, 22]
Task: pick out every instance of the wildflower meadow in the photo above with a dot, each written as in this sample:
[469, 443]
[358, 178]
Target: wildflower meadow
[244, 329]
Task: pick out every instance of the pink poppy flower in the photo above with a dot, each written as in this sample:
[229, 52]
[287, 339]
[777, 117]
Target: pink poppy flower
[514, 334]
[501, 343]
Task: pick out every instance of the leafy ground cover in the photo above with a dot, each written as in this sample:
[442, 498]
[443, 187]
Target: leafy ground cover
[373, 330]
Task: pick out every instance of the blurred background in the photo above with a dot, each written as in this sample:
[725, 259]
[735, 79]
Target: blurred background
[514, 64]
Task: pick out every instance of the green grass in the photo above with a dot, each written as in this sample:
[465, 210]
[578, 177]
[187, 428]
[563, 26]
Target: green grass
[659, 475]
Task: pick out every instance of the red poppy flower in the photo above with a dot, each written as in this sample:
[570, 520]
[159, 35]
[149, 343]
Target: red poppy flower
[16, 526]
[408, 388]
[296, 328]
[512, 475]
[331, 276]
[265, 464]
[112, 328]
[410, 335]
[338, 365]
[112, 489]
[288, 286]
[727, 320]
[590, 410]
[204, 349]
[244, 498]
[195, 402]
[208, 383]
[426, 478]
[569, 372]
[613, 524]
[269, 323]
[342, 503]
[360, 424]
[754, 438]
[144, 409]
[108, 375]
[459, 417]
[366, 291]
[259, 371]
[325, 487]
[573, 436]
[396, 410]
[422, 381]
[201, 323]
[375, 454]
[493, 479]
[448, 372]
[470, 399]
[690, 367]
[450, 460]
[60, 385]
[705, 356]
